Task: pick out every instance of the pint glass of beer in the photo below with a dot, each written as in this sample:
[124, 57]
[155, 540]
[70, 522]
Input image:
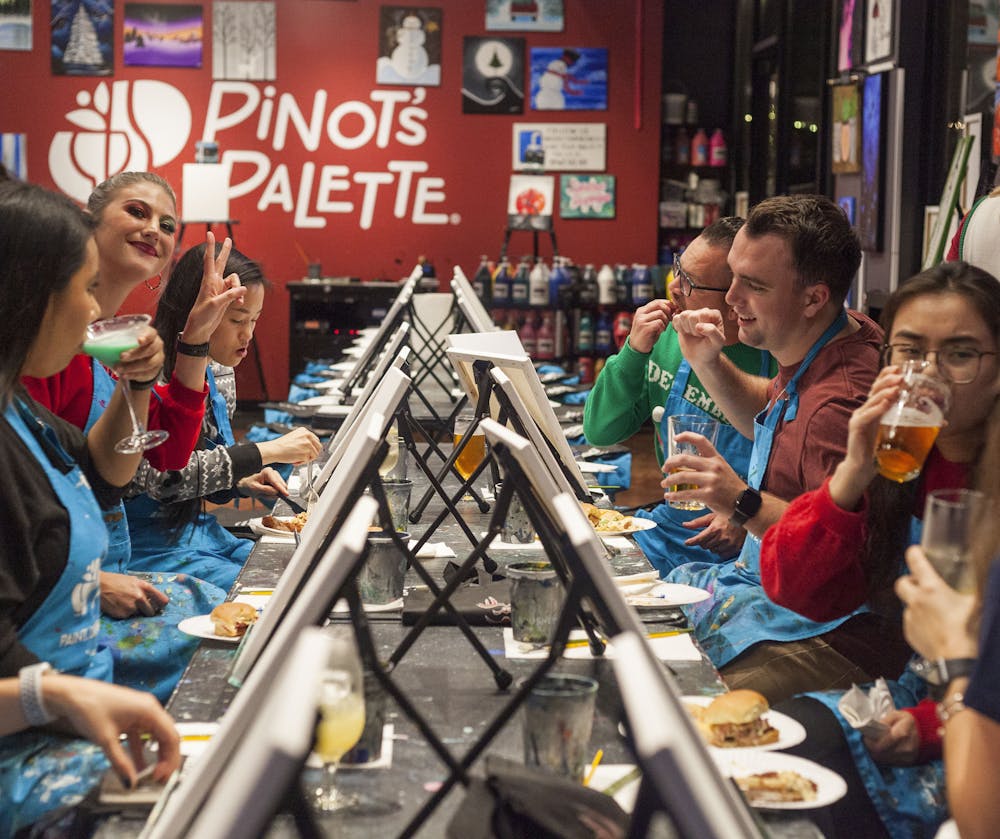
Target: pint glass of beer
[908, 429]
[474, 452]
[677, 424]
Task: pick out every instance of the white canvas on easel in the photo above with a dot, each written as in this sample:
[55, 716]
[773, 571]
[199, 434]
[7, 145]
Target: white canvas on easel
[206, 192]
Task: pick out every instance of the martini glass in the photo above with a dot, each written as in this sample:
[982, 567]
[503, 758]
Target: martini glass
[106, 341]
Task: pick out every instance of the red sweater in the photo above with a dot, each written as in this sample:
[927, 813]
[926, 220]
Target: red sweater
[810, 559]
[178, 409]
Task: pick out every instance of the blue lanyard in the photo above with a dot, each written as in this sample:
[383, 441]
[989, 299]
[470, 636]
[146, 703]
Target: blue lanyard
[788, 407]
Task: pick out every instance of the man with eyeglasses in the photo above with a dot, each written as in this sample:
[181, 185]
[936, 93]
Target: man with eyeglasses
[793, 263]
[650, 372]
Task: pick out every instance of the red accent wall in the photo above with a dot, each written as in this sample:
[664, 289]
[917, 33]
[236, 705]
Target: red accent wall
[332, 46]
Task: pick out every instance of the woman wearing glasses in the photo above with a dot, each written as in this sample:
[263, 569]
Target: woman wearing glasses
[842, 546]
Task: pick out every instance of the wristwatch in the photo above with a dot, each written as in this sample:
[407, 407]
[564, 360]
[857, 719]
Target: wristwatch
[747, 506]
[943, 671]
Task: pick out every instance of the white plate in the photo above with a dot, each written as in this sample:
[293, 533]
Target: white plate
[790, 731]
[595, 468]
[201, 626]
[651, 577]
[637, 525]
[327, 386]
[257, 526]
[830, 786]
[665, 595]
[321, 401]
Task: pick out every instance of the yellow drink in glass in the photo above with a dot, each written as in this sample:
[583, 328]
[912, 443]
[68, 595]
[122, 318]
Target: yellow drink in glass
[340, 726]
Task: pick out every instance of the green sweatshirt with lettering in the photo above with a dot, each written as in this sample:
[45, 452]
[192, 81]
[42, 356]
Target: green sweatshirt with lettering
[633, 383]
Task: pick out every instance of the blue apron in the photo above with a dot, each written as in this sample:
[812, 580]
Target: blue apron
[739, 614]
[119, 547]
[910, 800]
[150, 653]
[204, 549]
[40, 772]
[664, 545]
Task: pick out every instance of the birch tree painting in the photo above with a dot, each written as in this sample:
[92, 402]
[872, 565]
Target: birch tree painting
[243, 41]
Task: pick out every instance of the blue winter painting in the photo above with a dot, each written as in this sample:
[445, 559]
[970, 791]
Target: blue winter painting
[158, 35]
[569, 78]
[83, 37]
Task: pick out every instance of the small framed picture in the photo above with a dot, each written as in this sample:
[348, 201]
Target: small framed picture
[587, 196]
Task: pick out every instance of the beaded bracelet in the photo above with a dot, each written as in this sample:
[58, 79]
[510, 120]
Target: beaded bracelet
[196, 350]
[30, 688]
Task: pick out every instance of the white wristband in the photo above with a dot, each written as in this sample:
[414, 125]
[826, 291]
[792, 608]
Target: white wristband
[32, 701]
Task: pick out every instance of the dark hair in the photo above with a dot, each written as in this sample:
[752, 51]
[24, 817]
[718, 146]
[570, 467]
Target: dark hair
[43, 243]
[176, 301]
[181, 291]
[721, 232]
[825, 249]
[104, 192]
[890, 504]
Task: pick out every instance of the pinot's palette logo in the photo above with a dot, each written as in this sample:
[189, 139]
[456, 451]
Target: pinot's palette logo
[135, 126]
[145, 124]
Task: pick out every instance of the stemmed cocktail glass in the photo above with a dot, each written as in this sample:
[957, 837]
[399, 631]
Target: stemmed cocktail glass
[106, 341]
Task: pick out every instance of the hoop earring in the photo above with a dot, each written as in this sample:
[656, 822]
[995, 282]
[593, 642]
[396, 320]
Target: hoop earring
[159, 281]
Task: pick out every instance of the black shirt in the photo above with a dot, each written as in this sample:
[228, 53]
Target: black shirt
[34, 529]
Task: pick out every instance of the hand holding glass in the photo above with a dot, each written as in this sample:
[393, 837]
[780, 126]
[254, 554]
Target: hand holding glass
[342, 717]
[908, 429]
[678, 424]
[107, 340]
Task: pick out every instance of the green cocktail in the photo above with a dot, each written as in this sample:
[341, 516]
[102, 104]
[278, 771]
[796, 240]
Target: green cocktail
[108, 339]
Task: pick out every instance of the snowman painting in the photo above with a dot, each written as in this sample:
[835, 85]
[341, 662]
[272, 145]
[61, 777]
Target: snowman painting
[411, 48]
[555, 82]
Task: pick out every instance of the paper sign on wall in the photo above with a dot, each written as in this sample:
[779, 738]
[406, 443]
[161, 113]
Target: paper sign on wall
[561, 146]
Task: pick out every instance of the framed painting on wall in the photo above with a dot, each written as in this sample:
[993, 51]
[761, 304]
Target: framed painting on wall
[15, 25]
[492, 75]
[569, 78]
[243, 40]
[880, 31]
[872, 170]
[158, 35]
[82, 38]
[587, 196]
[409, 46]
[845, 141]
[525, 15]
[851, 33]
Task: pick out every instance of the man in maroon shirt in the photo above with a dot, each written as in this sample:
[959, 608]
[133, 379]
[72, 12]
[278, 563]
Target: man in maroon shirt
[793, 264]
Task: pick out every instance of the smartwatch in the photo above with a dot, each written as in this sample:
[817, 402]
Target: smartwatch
[942, 671]
[747, 506]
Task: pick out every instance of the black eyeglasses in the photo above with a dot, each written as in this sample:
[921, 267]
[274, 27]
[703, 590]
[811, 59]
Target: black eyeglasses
[959, 365]
[687, 285]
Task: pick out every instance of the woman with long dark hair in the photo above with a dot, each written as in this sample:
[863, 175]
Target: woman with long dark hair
[169, 530]
[842, 546]
[57, 484]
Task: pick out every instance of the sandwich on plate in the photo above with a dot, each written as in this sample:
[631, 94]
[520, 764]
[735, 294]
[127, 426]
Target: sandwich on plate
[735, 719]
[231, 618]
